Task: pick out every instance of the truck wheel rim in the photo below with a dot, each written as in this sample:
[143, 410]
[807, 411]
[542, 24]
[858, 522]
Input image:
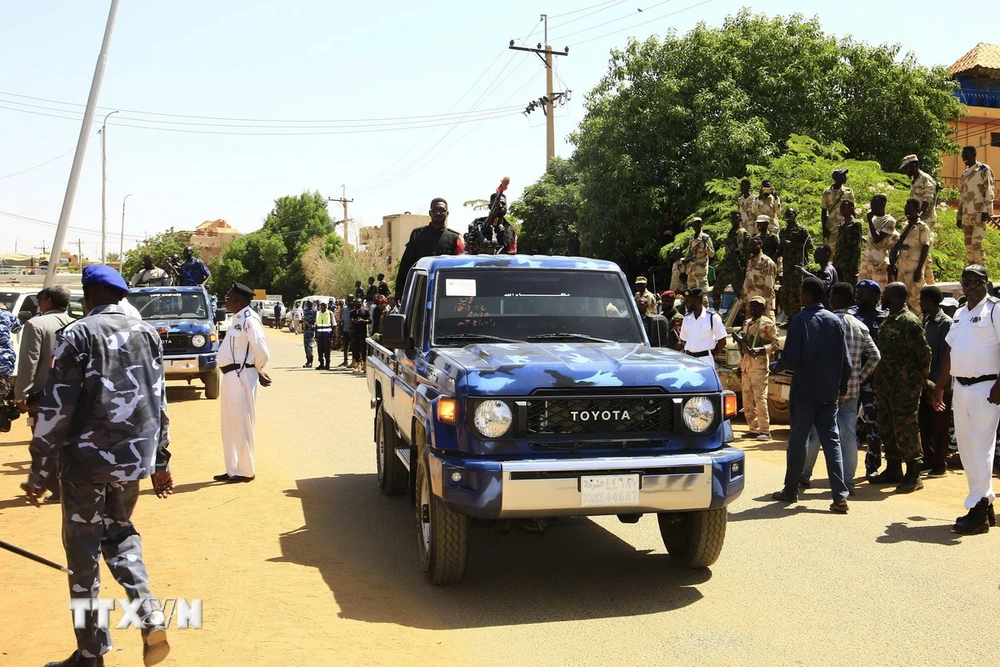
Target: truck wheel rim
[425, 515]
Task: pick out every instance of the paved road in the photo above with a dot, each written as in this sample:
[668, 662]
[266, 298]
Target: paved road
[310, 565]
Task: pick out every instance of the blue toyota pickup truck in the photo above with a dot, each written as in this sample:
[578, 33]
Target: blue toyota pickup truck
[523, 389]
[184, 318]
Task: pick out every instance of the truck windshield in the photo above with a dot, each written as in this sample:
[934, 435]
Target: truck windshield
[170, 305]
[541, 305]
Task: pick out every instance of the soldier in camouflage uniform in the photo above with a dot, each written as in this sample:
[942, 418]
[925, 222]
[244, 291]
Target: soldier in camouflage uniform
[745, 205]
[103, 413]
[881, 237]
[796, 248]
[678, 271]
[733, 269]
[308, 331]
[761, 276]
[899, 382]
[909, 257]
[769, 241]
[847, 256]
[761, 341]
[768, 203]
[831, 214]
[872, 315]
[924, 189]
[976, 204]
[700, 250]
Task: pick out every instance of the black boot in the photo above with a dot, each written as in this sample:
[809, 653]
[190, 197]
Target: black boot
[911, 481]
[76, 660]
[976, 522]
[893, 474]
[991, 516]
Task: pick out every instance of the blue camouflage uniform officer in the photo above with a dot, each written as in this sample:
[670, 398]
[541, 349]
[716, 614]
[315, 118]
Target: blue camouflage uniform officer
[103, 415]
[308, 331]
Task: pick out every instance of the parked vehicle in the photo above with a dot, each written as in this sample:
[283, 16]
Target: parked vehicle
[23, 302]
[515, 388]
[184, 319]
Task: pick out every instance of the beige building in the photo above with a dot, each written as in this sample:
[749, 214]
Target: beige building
[395, 232]
[212, 237]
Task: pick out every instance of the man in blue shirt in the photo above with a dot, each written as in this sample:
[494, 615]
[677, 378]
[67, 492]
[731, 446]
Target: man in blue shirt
[869, 310]
[816, 350]
[193, 271]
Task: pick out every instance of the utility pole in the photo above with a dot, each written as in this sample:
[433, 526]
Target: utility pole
[121, 241]
[550, 97]
[104, 188]
[81, 147]
[79, 252]
[345, 201]
[45, 252]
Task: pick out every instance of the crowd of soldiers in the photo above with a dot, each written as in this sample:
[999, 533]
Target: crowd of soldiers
[763, 259]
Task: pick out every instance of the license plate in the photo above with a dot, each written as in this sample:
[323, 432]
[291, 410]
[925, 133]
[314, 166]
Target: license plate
[609, 490]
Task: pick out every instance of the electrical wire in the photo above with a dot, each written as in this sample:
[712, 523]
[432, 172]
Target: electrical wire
[583, 9]
[46, 223]
[596, 11]
[610, 21]
[658, 18]
[38, 166]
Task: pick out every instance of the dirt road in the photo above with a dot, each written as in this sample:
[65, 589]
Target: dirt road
[309, 565]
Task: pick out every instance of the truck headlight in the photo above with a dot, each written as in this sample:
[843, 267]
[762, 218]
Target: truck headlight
[197, 340]
[699, 413]
[493, 418]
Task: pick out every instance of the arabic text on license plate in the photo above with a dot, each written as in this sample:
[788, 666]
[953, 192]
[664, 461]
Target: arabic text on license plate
[609, 490]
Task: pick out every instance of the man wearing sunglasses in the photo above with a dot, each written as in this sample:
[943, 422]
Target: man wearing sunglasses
[974, 362]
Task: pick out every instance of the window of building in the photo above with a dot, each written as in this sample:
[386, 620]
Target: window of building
[994, 138]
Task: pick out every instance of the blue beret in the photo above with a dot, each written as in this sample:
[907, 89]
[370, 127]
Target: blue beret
[870, 284]
[101, 274]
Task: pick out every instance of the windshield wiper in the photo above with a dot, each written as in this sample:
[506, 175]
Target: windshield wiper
[476, 336]
[569, 336]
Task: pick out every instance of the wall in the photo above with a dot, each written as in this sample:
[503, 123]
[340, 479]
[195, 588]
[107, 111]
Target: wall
[974, 129]
[395, 232]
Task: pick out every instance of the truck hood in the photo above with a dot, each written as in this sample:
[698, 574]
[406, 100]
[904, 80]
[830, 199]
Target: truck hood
[520, 368]
[187, 326]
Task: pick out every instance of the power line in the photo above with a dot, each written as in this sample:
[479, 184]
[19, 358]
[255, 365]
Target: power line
[46, 223]
[484, 115]
[38, 166]
[583, 9]
[658, 18]
[614, 20]
[362, 121]
[596, 11]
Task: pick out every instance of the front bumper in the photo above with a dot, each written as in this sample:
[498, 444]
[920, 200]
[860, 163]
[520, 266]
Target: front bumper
[538, 488]
[184, 366]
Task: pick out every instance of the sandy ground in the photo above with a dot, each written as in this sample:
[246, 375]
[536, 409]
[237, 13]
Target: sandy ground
[309, 565]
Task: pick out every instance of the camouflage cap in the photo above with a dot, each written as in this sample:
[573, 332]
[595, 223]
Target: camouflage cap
[758, 299]
[763, 218]
[909, 159]
[641, 280]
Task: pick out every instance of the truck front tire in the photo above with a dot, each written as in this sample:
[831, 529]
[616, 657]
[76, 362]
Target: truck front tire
[392, 475]
[442, 534]
[694, 539]
[213, 383]
[778, 411]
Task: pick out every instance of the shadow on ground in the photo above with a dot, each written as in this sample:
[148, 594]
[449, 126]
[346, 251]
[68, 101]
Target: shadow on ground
[364, 545]
[936, 533]
[180, 393]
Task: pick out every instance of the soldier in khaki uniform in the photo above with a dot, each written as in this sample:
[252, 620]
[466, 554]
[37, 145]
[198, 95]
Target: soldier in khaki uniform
[641, 289]
[761, 276]
[910, 254]
[700, 250]
[924, 189]
[678, 271]
[831, 215]
[769, 204]
[745, 205]
[881, 237]
[760, 339]
[976, 204]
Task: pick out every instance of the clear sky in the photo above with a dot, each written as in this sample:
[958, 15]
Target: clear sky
[326, 62]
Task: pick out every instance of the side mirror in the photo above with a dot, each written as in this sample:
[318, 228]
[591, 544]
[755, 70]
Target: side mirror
[394, 332]
[24, 316]
[220, 314]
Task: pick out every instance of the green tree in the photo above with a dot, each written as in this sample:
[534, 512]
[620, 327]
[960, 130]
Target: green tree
[672, 114]
[159, 247]
[549, 210]
[270, 258]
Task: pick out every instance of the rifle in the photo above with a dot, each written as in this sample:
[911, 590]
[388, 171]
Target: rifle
[30, 556]
[742, 343]
[892, 273]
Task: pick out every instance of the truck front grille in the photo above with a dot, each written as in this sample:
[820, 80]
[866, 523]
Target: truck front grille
[176, 344]
[600, 415]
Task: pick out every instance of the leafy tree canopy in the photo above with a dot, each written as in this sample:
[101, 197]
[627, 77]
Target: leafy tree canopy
[159, 247]
[549, 210]
[269, 258]
[675, 113]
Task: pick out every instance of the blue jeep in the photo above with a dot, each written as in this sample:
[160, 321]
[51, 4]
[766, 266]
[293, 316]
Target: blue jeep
[517, 388]
[184, 318]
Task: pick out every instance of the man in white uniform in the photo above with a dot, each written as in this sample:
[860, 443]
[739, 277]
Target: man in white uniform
[702, 330]
[974, 362]
[242, 357]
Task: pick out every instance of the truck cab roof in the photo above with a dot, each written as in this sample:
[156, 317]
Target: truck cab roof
[439, 262]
